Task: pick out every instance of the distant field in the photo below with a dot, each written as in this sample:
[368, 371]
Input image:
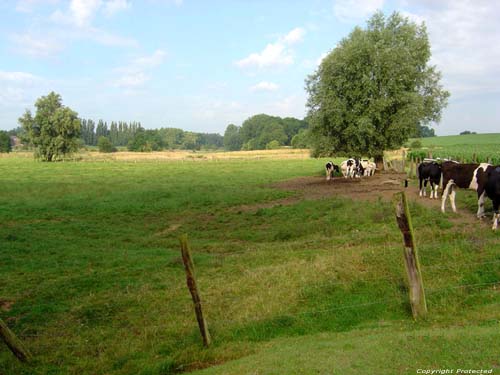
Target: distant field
[92, 282]
[483, 147]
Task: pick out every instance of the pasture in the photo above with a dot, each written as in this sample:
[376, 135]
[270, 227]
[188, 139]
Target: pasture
[465, 148]
[297, 274]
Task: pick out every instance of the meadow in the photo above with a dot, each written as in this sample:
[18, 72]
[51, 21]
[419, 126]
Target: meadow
[92, 280]
[464, 148]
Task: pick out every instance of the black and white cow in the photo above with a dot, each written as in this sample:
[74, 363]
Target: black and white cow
[493, 192]
[465, 176]
[369, 167]
[352, 168]
[429, 172]
[331, 169]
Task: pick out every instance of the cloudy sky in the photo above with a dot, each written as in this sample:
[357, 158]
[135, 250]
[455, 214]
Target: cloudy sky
[200, 65]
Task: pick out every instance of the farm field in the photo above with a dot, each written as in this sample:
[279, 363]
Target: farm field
[464, 147]
[297, 274]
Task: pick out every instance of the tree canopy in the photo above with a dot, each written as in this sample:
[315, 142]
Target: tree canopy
[5, 145]
[54, 131]
[374, 89]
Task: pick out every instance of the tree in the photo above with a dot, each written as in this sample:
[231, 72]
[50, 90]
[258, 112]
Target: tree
[273, 145]
[5, 145]
[424, 131]
[54, 131]
[232, 138]
[372, 91]
[105, 145]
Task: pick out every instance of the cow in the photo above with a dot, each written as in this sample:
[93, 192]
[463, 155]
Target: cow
[331, 169]
[429, 172]
[352, 168]
[465, 176]
[369, 167]
[492, 190]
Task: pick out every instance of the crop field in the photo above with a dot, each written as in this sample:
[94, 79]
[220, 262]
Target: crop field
[296, 274]
[464, 148]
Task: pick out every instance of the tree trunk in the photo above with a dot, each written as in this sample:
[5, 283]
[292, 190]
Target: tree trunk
[379, 160]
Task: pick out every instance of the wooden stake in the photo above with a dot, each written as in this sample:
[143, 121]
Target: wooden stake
[14, 344]
[193, 289]
[417, 294]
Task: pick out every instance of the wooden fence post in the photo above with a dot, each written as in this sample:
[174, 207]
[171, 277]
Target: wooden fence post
[193, 289]
[417, 294]
[14, 344]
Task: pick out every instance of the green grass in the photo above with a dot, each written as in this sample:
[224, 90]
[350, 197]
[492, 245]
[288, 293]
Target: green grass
[465, 148]
[90, 265]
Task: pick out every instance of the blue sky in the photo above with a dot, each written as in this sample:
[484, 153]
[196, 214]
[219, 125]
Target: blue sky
[200, 65]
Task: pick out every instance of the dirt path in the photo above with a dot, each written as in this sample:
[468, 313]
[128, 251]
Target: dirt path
[381, 185]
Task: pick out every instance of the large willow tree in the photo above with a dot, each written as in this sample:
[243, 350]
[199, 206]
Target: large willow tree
[374, 89]
[54, 131]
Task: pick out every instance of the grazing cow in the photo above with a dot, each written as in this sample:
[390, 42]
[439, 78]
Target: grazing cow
[352, 168]
[493, 192]
[330, 169]
[429, 172]
[465, 176]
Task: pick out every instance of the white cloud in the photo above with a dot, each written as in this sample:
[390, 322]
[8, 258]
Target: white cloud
[349, 10]
[264, 86]
[82, 11]
[138, 71]
[36, 45]
[466, 56]
[294, 36]
[114, 6]
[17, 86]
[274, 54]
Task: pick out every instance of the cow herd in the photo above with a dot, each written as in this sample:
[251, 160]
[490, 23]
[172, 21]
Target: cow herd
[351, 168]
[482, 178]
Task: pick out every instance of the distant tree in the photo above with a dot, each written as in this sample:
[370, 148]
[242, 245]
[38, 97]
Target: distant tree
[370, 93]
[5, 145]
[105, 145]
[416, 144]
[424, 131]
[232, 138]
[190, 141]
[273, 145]
[292, 127]
[262, 129]
[465, 132]
[301, 140]
[54, 131]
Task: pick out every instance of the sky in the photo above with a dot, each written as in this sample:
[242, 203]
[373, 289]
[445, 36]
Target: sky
[200, 65]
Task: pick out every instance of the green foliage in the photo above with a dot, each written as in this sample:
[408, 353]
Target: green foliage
[257, 131]
[301, 140]
[424, 131]
[465, 148]
[55, 129]
[416, 144]
[105, 145]
[373, 90]
[273, 145]
[5, 145]
[145, 141]
[232, 138]
[465, 132]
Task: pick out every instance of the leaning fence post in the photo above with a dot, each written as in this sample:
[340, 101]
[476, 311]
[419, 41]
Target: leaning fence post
[193, 289]
[417, 294]
[14, 344]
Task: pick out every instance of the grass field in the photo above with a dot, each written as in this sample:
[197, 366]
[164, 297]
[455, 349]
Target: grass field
[464, 148]
[91, 277]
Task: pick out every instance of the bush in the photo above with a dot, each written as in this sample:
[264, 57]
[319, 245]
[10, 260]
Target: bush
[416, 144]
[4, 142]
[273, 145]
[105, 145]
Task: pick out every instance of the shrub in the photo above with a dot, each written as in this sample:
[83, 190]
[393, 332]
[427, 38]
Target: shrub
[105, 145]
[4, 142]
[273, 145]
[416, 144]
